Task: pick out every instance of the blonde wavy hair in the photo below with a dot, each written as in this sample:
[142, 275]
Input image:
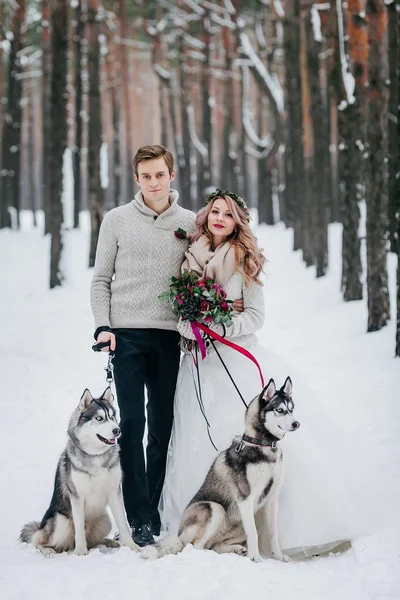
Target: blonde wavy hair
[249, 257]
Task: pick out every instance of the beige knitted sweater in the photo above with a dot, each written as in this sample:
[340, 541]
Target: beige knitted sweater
[137, 254]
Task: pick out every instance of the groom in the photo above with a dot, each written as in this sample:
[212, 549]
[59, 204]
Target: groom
[137, 254]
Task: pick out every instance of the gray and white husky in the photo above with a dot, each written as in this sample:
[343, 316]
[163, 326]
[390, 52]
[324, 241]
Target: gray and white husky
[88, 478]
[244, 479]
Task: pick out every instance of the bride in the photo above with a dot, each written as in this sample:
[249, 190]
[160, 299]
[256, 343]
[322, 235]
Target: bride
[316, 514]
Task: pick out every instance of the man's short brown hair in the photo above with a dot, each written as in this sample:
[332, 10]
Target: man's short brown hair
[150, 153]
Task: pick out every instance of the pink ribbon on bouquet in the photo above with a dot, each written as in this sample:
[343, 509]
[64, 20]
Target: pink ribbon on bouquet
[195, 328]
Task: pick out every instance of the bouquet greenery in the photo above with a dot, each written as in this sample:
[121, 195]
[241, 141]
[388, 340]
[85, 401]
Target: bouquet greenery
[200, 300]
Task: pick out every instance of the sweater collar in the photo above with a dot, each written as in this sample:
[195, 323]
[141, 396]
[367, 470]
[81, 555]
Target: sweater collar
[138, 202]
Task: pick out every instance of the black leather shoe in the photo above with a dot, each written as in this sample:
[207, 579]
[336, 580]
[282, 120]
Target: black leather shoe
[154, 528]
[142, 535]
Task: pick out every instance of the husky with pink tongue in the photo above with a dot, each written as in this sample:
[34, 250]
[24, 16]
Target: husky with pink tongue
[88, 479]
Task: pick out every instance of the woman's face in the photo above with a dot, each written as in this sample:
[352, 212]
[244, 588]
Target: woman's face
[220, 221]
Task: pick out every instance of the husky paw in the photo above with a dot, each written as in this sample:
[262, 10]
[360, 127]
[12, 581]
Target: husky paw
[148, 553]
[241, 550]
[281, 557]
[47, 551]
[129, 543]
[254, 556]
[81, 551]
[109, 543]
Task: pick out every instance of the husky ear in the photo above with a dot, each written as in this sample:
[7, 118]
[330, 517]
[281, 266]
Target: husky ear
[287, 387]
[85, 400]
[107, 395]
[268, 392]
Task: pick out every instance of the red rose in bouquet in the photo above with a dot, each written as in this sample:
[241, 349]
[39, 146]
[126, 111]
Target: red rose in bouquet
[195, 299]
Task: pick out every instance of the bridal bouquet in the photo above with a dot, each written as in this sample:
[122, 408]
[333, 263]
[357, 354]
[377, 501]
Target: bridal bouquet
[201, 300]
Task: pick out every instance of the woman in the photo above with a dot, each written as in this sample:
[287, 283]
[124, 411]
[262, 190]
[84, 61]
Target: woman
[314, 516]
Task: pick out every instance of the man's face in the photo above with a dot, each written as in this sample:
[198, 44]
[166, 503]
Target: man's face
[154, 180]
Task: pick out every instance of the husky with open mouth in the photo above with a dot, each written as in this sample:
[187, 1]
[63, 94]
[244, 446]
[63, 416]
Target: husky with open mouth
[88, 478]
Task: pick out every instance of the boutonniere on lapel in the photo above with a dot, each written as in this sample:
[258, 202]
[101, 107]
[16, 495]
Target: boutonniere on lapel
[181, 234]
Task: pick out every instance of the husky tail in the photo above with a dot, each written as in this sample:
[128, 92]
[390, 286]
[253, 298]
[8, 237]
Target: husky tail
[169, 545]
[28, 531]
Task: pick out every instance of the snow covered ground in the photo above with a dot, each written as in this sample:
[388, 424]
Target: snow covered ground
[46, 362]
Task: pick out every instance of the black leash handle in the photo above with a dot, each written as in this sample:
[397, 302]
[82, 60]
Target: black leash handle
[99, 345]
[109, 369]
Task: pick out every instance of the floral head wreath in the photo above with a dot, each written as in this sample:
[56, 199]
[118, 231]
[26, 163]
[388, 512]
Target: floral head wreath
[239, 201]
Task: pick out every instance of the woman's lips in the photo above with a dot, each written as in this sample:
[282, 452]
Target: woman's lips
[219, 226]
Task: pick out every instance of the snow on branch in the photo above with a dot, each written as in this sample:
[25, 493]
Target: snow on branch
[316, 23]
[348, 79]
[13, 4]
[212, 6]
[246, 113]
[279, 10]
[194, 42]
[273, 87]
[229, 7]
[194, 6]
[197, 55]
[223, 22]
[260, 35]
[162, 72]
[259, 155]
[200, 147]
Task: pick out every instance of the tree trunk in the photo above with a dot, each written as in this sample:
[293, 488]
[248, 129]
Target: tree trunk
[183, 150]
[30, 93]
[96, 200]
[351, 125]
[78, 38]
[205, 162]
[59, 129]
[393, 137]
[264, 181]
[46, 112]
[377, 206]
[10, 189]
[320, 152]
[294, 159]
[116, 124]
[229, 179]
[124, 59]
[2, 71]
[397, 351]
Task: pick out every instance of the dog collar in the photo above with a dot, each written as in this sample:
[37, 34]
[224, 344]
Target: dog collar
[246, 438]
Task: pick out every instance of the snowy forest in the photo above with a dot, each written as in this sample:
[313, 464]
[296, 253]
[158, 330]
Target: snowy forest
[293, 104]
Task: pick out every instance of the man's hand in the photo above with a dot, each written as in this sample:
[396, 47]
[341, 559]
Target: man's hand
[238, 305]
[107, 336]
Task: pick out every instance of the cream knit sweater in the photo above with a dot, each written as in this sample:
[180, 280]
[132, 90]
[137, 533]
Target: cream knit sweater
[137, 254]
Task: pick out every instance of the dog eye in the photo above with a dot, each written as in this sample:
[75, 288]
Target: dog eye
[99, 418]
[279, 410]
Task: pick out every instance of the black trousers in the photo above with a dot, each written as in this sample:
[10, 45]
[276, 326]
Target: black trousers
[145, 357]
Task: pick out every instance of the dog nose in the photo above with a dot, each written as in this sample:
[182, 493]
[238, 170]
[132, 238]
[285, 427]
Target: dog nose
[295, 424]
[116, 431]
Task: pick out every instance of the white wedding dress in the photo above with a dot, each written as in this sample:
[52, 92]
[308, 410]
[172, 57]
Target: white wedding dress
[320, 500]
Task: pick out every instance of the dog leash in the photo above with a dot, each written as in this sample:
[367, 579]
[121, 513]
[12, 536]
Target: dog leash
[195, 328]
[199, 396]
[109, 368]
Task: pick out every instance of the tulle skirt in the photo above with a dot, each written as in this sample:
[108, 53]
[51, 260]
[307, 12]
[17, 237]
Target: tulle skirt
[319, 505]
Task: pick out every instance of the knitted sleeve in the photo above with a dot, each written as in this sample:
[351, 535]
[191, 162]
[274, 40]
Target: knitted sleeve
[104, 268]
[252, 317]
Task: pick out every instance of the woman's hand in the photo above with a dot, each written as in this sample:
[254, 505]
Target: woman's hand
[107, 336]
[238, 305]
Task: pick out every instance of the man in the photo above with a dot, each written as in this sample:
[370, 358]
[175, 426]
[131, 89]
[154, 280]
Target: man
[137, 254]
